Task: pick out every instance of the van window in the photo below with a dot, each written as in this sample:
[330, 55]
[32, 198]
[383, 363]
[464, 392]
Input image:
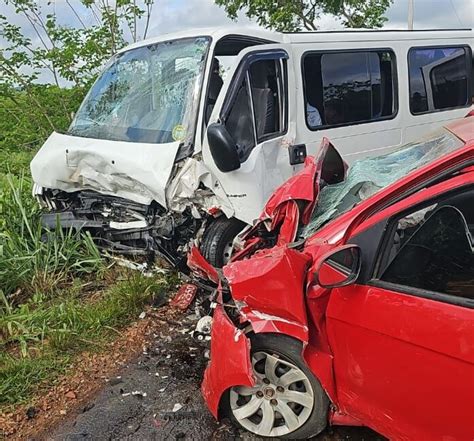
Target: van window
[439, 78]
[239, 122]
[258, 111]
[268, 97]
[343, 88]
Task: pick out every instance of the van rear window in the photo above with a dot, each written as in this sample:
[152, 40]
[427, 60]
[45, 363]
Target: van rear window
[439, 78]
[343, 88]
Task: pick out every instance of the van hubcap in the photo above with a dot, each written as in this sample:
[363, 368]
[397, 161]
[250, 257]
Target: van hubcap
[228, 248]
[280, 402]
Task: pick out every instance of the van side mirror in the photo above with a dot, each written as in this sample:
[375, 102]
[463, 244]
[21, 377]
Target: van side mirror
[223, 148]
[341, 267]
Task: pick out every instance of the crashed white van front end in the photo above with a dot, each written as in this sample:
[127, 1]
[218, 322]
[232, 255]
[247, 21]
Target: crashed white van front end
[133, 199]
[125, 169]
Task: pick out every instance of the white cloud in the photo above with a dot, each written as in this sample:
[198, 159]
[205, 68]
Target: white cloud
[174, 15]
[432, 14]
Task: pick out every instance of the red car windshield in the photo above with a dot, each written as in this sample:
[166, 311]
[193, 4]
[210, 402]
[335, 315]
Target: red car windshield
[370, 175]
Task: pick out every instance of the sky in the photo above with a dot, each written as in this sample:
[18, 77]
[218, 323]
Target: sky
[179, 14]
[174, 15]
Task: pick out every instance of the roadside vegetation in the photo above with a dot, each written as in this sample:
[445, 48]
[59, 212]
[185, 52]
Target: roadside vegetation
[58, 295]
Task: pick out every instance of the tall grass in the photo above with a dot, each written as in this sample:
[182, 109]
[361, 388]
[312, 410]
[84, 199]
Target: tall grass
[32, 260]
[48, 332]
[57, 295]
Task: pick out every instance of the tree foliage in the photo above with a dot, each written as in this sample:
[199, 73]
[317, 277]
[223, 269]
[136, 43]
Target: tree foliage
[296, 15]
[66, 56]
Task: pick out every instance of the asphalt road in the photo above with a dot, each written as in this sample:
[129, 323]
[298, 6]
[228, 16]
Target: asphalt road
[157, 397]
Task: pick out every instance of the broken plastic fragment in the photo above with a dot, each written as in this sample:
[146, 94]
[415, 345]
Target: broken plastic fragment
[177, 407]
[139, 393]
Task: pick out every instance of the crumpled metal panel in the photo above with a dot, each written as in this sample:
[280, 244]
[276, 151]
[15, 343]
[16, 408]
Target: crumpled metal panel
[301, 186]
[186, 189]
[306, 185]
[197, 263]
[270, 288]
[230, 363]
[292, 204]
[135, 171]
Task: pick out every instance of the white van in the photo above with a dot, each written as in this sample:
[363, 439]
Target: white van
[186, 135]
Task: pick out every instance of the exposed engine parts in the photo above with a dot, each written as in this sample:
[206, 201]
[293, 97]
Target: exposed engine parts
[122, 226]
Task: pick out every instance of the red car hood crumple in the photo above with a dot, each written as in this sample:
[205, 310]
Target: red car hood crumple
[291, 205]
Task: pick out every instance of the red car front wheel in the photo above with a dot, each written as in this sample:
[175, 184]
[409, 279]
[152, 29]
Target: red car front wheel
[287, 401]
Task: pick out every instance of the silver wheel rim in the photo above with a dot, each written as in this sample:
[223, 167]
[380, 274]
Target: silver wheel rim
[229, 247]
[281, 401]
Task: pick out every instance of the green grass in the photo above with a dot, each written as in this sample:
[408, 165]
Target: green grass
[32, 261]
[58, 296]
[19, 378]
[47, 333]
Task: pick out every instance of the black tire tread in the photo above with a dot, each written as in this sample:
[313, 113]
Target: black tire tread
[216, 236]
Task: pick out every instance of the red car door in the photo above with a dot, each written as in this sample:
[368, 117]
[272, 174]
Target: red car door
[403, 337]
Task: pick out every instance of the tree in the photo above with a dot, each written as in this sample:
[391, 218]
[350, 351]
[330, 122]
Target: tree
[63, 55]
[295, 15]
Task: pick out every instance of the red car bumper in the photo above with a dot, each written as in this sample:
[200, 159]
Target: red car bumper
[230, 363]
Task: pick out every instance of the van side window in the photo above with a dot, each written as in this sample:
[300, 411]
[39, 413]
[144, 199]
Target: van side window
[439, 78]
[259, 110]
[343, 88]
[267, 85]
[239, 121]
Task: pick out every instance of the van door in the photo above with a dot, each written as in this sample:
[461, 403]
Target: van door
[254, 106]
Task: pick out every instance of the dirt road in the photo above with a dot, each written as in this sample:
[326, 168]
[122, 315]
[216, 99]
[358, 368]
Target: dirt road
[157, 397]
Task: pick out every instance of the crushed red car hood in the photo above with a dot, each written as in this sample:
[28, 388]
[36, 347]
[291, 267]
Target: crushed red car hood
[328, 166]
[289, 207]
[292, 203]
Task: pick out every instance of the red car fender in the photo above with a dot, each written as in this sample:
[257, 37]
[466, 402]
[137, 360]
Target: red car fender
[262, 322]
[198, 264]
[260, 287]
[317, 353]
[230, 363]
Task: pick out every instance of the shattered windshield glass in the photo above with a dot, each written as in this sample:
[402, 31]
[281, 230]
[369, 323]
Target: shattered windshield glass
[368, 176]
[148, 94]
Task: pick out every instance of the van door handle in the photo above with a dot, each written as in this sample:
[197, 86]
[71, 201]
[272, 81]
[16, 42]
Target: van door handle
[297, 154]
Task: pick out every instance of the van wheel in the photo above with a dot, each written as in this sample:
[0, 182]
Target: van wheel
[287, 400]
[216, 244]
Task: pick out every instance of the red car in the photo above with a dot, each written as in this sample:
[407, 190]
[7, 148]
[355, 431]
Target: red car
[351, 300]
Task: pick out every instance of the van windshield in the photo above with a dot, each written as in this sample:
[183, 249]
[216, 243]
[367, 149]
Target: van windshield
[148, 94]
[370, 175]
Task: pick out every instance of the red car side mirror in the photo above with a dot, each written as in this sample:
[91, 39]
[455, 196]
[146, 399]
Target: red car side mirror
[340, 267]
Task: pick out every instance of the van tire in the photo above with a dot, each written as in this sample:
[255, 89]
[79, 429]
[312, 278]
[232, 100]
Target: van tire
[217, 238]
